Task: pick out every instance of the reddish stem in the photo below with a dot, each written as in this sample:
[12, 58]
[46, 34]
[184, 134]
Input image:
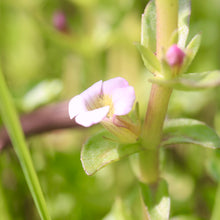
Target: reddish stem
[44, 119]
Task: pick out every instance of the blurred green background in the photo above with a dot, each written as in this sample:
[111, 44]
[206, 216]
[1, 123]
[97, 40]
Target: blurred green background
[43, 64]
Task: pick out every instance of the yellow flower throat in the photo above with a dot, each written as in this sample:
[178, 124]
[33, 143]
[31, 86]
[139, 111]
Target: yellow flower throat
[106, 100]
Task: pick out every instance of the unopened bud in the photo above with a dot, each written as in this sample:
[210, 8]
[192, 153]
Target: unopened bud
[175, 56]
[59, 21]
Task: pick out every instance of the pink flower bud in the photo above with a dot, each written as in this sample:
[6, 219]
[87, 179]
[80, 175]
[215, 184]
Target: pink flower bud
[59, 21]
[175, 56]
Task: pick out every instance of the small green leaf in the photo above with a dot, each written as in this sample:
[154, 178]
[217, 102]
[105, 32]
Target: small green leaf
[166, 69]
[157, 200]
[190, 81]
[191, 51]
[102, 149]
[182, 131]
[148, 26]
[150, 60]
[183, 21]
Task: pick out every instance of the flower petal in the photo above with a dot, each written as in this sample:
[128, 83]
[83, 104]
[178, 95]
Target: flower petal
[89, 118]
[123, 100]
[91, 94]
[110, 85]
[76, 105]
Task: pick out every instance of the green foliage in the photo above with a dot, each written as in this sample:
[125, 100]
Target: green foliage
[15, 132]
[180, 131]
[128, 208]
[157, 200]
[3, 205]
[191, 51]
[190, 81]
[99, 45]
[103, 149]
[183, 22]
[148, 26]
[148, 40]
[150, 60]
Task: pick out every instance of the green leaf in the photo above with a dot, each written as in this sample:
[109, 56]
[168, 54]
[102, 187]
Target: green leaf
[102, 149]
[183, 21]
[166, 70]
[190, 81]
[157, 200]
[182, 131]
[148, 26]
[191, 51]
[150, 60]
[12, 123]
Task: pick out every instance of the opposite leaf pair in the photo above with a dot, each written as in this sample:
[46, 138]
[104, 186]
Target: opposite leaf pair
[164, 74]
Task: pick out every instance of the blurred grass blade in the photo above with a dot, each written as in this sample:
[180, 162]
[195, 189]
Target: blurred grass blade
[13, 126]
[3, 205]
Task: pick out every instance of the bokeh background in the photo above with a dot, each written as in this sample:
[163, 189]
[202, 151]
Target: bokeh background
[44, 63]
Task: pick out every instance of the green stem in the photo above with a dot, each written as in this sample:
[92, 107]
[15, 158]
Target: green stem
[13, 126]
[167, 23]
[155, 116]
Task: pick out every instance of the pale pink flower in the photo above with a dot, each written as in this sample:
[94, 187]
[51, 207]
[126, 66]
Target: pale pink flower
[102, 102]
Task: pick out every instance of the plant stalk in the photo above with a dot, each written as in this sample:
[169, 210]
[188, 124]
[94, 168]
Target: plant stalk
[167, 23]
